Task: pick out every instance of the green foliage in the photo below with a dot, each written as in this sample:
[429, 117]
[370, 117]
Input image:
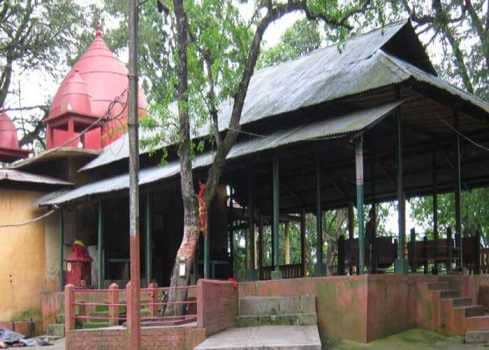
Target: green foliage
[300, 39]
[475, 212]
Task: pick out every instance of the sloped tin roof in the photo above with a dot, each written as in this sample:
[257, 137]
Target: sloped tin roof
[323, 75]
[329, 128]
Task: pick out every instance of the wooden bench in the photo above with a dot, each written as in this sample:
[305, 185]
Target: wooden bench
[379, 254]
[445, 251]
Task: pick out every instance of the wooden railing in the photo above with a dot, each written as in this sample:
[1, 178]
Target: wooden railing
[93, 308]
[288, 271]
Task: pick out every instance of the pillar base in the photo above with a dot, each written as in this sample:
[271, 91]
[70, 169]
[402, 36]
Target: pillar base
[252, 275]
[319, 270]
[276, 275]
[401, 266]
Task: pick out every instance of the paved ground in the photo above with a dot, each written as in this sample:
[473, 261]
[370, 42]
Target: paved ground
[276, 337]
[57, 345]
[415, 339]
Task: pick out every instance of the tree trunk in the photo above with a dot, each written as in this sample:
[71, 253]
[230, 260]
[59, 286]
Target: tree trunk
[186, 253]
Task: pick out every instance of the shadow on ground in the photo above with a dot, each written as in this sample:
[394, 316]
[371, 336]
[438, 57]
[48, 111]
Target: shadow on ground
[415, 339]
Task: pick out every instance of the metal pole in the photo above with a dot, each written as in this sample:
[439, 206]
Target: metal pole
[319, 221]
[435, 197]
[149, 241]
[360, 193]
[231, 231]
[133, 318]
[276, 274]
[100, 242]
[251, 225]
[206, 262]
[435, 204]
[61, 248]
[458, 199]
[351, 229]
[401, 262]
[303, 242]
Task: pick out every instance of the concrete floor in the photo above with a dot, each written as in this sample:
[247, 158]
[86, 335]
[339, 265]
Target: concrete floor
[271, 337]
[57, 345]
[415, 339]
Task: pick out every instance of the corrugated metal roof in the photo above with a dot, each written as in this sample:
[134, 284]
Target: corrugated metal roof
[332, 127]
[323, 75]
[21, 176]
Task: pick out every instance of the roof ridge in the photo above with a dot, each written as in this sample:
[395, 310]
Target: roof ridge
[354, 36]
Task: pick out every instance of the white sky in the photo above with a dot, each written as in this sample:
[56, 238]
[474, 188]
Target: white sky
[37, 88]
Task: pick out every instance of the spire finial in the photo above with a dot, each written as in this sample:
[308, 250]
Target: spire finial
[98, 29]
[98, 24]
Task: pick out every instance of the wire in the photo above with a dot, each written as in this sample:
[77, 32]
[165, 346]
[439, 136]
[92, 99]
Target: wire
[475, 143]
[28, 222]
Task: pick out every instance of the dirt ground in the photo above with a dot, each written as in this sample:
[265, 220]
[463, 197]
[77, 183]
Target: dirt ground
[415, 339]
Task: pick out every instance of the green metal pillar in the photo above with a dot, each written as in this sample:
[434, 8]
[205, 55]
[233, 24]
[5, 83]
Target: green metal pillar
[319, 221]
[458, 198]
[276, 273]
[207, 265]
[61, 249]
[401, 264]
[100, 247]
[360, 202]
[231, 230]
[303, 242]
[149, 241]
[251, 227]
[435, 201]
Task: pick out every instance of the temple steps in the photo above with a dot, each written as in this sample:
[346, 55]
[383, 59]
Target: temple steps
[270, 323]
[456, 313]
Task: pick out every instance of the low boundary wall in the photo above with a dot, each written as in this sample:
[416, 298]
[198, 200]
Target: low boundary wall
[366, 307]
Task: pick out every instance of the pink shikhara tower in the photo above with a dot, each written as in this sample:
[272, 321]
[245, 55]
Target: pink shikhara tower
[86, 97]
[9, 144]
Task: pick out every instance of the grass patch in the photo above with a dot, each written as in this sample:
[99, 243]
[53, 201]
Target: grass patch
[414, 339]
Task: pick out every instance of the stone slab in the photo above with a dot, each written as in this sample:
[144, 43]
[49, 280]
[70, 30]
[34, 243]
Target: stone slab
[265, 337]
[277, 305]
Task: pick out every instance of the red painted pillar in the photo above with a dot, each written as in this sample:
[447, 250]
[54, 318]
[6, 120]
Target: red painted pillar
[69, 307]
[113, 300]
[128, 303]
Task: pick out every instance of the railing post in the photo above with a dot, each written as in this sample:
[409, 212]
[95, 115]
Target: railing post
[341, 255]
[153, 299]
[69, 308]
[425, 254]
[412, 245]
[113, 304]
[450, 249]
[477, 258]
[128, 302]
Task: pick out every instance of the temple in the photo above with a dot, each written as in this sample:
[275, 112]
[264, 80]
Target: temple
[351, 129]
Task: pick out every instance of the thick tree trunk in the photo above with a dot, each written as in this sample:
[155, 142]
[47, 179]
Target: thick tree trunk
[186, 252]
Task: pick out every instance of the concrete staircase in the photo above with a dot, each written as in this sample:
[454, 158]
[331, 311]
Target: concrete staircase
[270, 323]
[457, 314]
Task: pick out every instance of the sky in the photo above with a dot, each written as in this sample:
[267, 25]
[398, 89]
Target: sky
[38, 88]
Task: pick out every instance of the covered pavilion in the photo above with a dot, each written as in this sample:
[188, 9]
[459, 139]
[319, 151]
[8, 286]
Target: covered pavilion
[367, 124]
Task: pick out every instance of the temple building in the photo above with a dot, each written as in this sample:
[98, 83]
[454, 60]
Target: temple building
[88, 112]
[333, 129]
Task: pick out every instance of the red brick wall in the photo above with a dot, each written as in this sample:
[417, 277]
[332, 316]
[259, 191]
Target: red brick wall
[154, 338]
[341, 301]
[217, 305]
